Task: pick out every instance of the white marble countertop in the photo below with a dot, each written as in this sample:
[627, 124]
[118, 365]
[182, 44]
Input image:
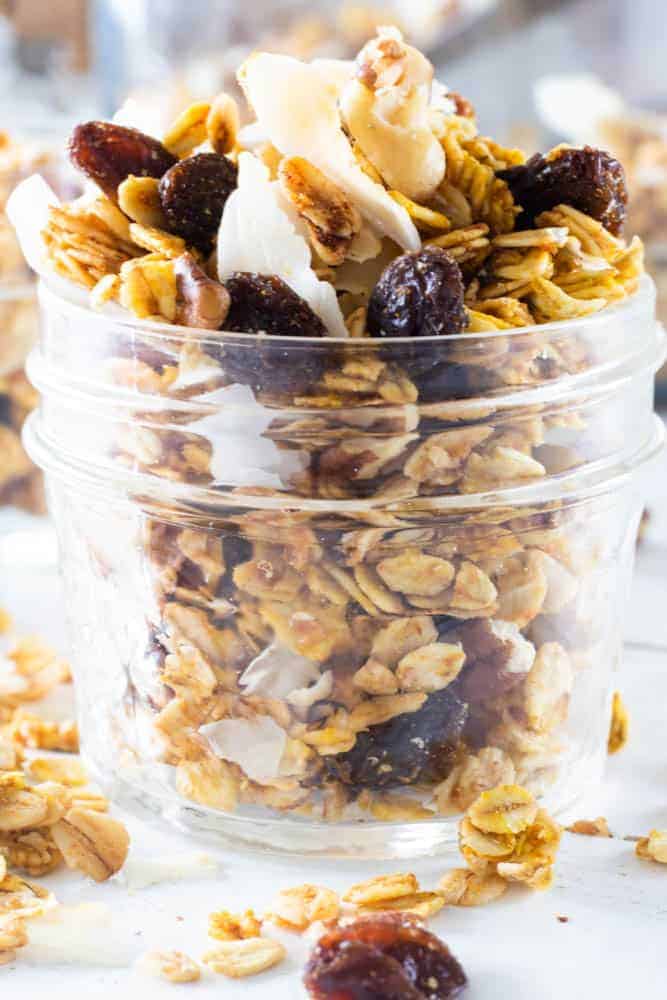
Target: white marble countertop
[611, 946]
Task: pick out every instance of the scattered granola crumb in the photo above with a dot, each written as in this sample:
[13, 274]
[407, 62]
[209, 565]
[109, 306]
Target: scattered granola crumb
[653, 847]
[173, 966]
[620, 724]
[591, 827]
[563, 920]
[238, 959]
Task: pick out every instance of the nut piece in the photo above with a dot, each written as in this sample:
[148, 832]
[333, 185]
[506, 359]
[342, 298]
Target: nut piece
[504, 809]
[653, 847]
[619, 726]
[200, 301]
[382, 887]
[430, 668]
[92, 843]
[238, 959]
[297, 908]
[171, 965]
[590, 827]
[330, 216]
[225, 926]
[461, 887]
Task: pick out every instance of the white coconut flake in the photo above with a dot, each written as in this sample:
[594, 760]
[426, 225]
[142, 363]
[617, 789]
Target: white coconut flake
[27, 209]
[439, 99]
[256, 745]
[296, 104]
[277, 672]
[81, 935]
[256, 234]
[145, 871]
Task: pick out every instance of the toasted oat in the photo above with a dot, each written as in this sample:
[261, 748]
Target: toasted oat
[503, 809]
[92, 843]
[174, 966]
[392, 808]
[414, 572]
[653, 847]
[590, 827]
[211, 782]
[462, 887]
[66, 771]
[421, 904]
[548, 687]
[619, 726]
[29, 730]
[381, 888]
[297, 908]
[431, 667]
[188, 131]
[13, 935]
[238, 959]
[225, 926]
[330, 216]
[20, 808]
[375, 678]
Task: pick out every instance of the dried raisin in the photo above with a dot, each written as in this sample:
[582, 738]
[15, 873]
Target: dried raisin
[588, 179]
[264, 304]
[416, 746]
[193, 194]
[108, 153]
[389, 956]
[418, 295]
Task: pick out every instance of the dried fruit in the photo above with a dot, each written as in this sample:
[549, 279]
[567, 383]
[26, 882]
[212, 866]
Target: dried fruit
[418, 295]
[109, 153]
[388, 956]
[419, 746]
[588, 179]
[193, 194]
[266, 304]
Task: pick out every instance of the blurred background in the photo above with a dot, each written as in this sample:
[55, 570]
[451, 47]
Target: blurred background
[537, 71]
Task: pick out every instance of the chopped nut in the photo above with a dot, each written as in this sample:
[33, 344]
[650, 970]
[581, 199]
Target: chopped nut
[225, 926]
[296, 909]
[171, 965]
[619, 726]
[653, 847]
[381, 888]
[70, 772]
[92, 843]
[461, 887]
[238, 959]
[430, 668]
[590, 827]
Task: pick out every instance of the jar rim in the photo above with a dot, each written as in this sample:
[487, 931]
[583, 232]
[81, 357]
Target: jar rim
[53, 290]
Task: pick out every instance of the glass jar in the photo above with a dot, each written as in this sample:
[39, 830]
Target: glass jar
[324, 592]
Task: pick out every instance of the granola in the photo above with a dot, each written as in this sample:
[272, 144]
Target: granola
[346, 618]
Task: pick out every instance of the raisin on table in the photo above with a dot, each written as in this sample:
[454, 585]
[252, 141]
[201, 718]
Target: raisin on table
[587, 179]
[108, 154]
[416, 746]
[267, 306]
[387, 956]
[193, 194]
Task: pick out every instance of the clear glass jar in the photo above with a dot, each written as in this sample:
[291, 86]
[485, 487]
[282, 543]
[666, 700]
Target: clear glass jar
[323, 592]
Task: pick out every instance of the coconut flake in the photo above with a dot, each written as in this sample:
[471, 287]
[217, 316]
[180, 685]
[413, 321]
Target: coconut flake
[82, 935]
[277, 672]
[27, 209]
[142, 872]
[257, 235]
[256, 745]
[296, 104]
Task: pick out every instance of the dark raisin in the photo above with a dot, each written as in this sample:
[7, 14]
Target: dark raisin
[109, 153]
[264, 304]
[588, 179]
[389, 956]
[193, 195]
[415, 746]
[418, 295]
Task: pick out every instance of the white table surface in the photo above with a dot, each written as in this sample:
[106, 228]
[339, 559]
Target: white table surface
[612, 946]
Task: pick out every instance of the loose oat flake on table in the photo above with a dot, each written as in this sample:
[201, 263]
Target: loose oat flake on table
[380, 287]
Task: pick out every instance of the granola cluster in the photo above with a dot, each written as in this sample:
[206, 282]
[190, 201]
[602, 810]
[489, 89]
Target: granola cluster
[322, 638]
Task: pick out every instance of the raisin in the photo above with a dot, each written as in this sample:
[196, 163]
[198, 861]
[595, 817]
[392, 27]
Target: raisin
[416, 746]
[418, 295]
[193, 194]
[388, 956]
[587, 179]
[265, 304]
[108, 153]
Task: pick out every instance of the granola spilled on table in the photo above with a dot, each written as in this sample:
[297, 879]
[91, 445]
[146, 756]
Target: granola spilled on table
[366, 658]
